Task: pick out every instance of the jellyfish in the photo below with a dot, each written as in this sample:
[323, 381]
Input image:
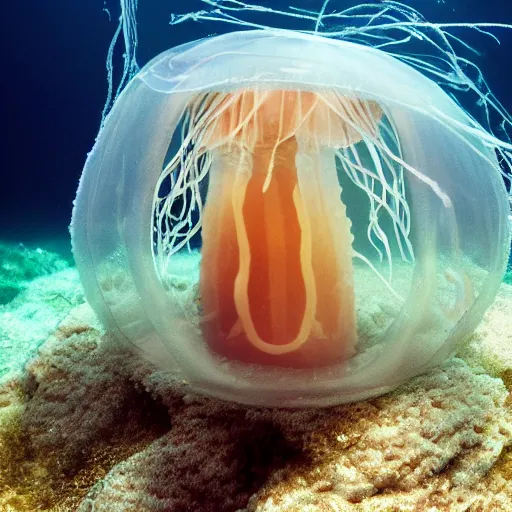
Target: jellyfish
[282, 218]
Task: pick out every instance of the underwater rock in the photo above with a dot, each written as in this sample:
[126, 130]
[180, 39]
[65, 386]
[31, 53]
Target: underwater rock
[406, 447]
[89, 425]
[19, 265]
[72, 406]
[491, 346]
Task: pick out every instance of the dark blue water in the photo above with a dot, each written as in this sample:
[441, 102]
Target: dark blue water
[54, 87]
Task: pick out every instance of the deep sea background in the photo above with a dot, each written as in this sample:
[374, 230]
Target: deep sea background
[54, 87]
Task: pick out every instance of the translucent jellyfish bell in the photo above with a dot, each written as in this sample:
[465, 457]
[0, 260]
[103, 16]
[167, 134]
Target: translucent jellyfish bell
[289, 220]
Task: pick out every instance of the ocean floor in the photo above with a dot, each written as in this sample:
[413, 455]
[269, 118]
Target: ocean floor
[85, 425]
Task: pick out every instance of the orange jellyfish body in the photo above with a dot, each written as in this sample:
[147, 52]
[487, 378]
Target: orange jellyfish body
[276, 270]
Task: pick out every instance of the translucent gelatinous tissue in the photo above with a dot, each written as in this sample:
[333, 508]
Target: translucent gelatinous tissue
[290, 220]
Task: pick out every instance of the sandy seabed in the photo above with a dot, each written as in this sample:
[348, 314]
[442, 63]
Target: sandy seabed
[85, 425]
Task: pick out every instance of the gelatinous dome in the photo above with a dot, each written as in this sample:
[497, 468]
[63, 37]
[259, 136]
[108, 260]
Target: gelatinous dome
[289, 220]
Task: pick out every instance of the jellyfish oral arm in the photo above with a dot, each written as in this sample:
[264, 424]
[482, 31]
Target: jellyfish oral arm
[276, 271]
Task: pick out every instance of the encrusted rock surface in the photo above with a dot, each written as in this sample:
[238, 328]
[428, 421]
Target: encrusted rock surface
[491, 346]
[88, 426]
[434, 440]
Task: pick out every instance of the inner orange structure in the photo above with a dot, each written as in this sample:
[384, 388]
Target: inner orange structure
[276, 270]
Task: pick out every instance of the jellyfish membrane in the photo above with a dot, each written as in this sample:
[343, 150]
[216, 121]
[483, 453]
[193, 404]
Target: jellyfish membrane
[285, 219]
